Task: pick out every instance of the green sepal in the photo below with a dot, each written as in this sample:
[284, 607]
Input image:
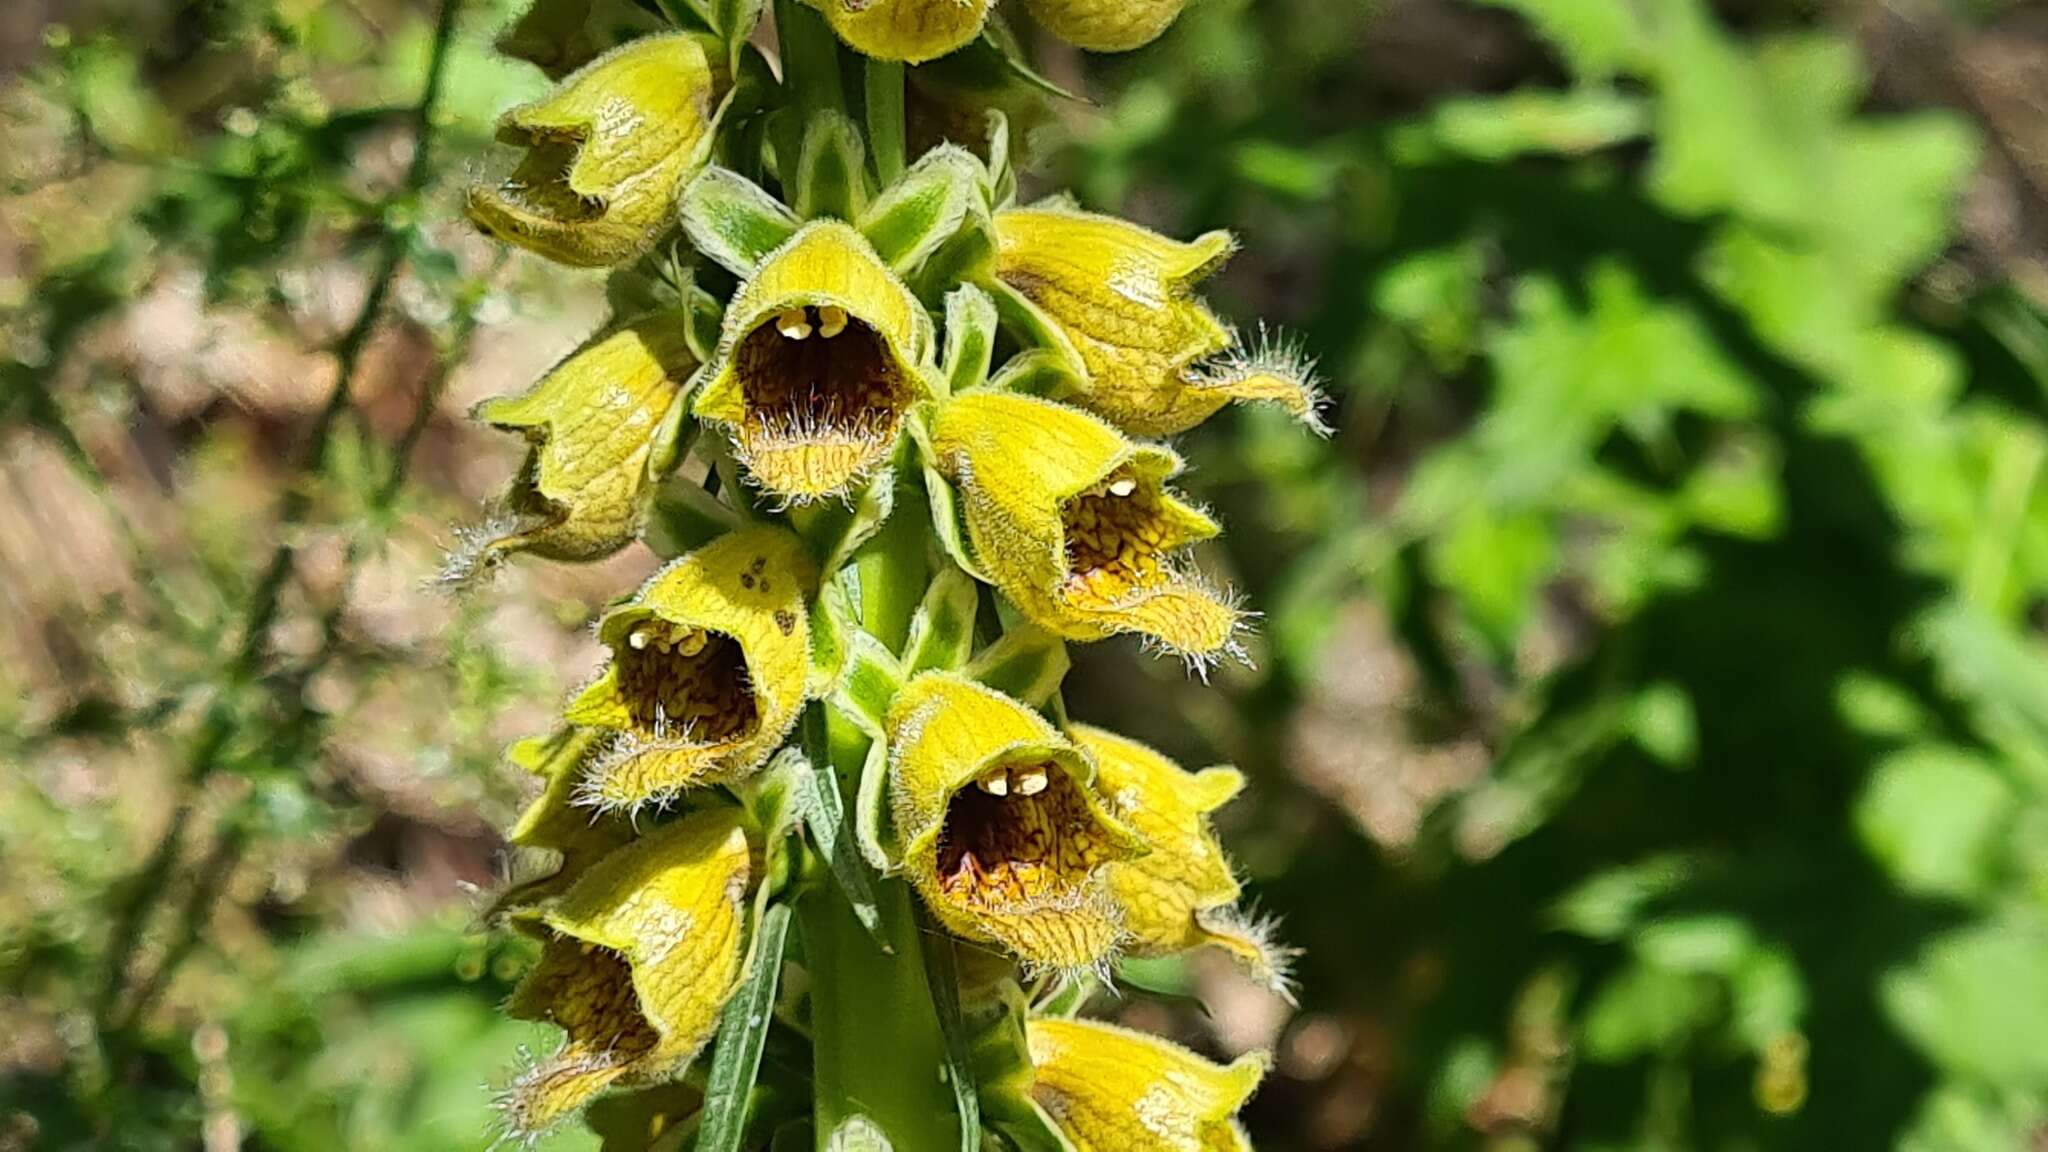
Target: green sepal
[1002, 173]
[942, 632]
[857, 1133]
[831, 171]
[836, 529]
[947, 526]
[673, 435]
[967, 256]
[705, 315]
[1001, 1058]
[871, 813]
[832, 627]
[1027, 664]
[970, 338]
[925, 208]
[868, 682]
[683, 517]
[1051, 364]
[733, 220]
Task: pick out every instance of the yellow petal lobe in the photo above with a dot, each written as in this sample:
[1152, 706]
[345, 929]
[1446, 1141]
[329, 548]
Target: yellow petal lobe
[1106, 25]
[1003, 835]
[1076, 525]
[605, 154]
[1157, 362]
[823, 352]
[1111, 1089]
[912, 31]
[592, 424]
[709, 663]
[638, 959]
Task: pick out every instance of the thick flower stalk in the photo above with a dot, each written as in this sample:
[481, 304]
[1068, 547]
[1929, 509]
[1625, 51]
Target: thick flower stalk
[887, 444]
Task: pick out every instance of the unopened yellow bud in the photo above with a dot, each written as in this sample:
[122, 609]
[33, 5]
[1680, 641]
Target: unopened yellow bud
[1156, 360]
[913, 31]
[1075, 524]
[606, 153]
[824, 351]
[1106, 25]
[1003, 835]
[1180, 895]
[1114, 1090]
[592, 422]
[638, 958]
[707, 674]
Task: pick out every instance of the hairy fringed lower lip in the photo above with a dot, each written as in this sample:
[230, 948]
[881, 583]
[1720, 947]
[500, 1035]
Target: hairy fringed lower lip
[686, 682]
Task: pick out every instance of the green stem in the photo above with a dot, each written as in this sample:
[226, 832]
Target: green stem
[875, 1034]
[885, 118]
[810, 58]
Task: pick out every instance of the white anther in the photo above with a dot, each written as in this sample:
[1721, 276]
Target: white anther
[793, 324]
[692, 644]
[1031, 781]
[1123, 487]
[831, 320]
[638, 639]
[996, 783]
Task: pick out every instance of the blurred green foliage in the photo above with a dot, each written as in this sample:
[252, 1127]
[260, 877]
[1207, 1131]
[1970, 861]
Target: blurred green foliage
[1689, 451]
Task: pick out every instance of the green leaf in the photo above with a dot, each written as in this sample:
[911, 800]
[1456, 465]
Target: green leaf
[831, 172]
[925, 208]
[824, 815]
[741, 1034]
[1976, 1002]
[733, 220]
[942, 969]
[1937, 818]
[1534, 120]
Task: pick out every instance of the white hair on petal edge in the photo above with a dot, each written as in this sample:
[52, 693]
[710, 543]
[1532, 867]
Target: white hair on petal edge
[1272, 352]
[476, 553]
[1260, 932]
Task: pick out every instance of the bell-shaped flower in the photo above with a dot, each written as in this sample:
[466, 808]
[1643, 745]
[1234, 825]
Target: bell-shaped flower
[823, 353]
[1076, 525]
[1106, 25]
[912, 31]
[553, 821]
[1182, 894]
[1002, 834]
[1118, 303]
[707, 673]
[638, 958]
[606, 152]
[1110, 1089]
[595, 425]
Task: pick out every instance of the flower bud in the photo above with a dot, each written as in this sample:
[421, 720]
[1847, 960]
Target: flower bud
[1076, 525]
[1180, 895]
[1156, 361]
[912, 31]
[1110, 1089]
[707, 674]
[638, 958]
[1106, 25]
[606, 153]
[1003, 836]
[824, 351]
[593, 423]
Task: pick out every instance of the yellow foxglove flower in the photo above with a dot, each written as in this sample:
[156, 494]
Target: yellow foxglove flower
[606, 153]
[913, 31]
[638, 957]
[1157, 361]
[824, 351]
[553, 821]
[1076, 525]
[1114, 1090]
[1181, 895]
[1106, 25]
[707, 673]
[1002, 834]
[593, 423]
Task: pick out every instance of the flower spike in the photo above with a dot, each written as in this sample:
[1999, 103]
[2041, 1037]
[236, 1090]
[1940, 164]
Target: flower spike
[1106, 25]
[637, 960]
[1003, 835]
[1111, 1089]
[912, 31]
[823, 353]
[1076, 525]
[595, 424]
[707, 674]
[606, 153]
[1117, 301]
[1181, 895]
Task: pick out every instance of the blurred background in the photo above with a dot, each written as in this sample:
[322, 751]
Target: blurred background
[1649, 732]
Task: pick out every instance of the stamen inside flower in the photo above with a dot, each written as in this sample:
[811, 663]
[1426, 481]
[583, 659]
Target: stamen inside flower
[1022, 835]
[688, 683]
[588, 993]
[824, 396]
[1118, 538]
